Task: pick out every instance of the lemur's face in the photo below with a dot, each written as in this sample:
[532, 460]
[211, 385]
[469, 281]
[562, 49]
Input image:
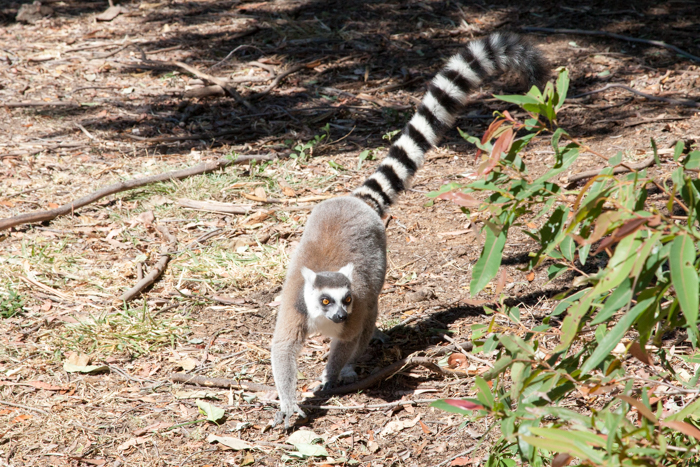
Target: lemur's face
[328, 294]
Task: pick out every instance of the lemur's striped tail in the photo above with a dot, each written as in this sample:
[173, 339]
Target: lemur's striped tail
[446, 97]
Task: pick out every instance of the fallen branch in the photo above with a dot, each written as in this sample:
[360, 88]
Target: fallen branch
[219, 382]
[212, 79]
[68, 208]
[216, 206]
[157, 270]
[685, 102]
[41, 104]
[25, 407]
[649, 161]
[615, 36]
[278, 79]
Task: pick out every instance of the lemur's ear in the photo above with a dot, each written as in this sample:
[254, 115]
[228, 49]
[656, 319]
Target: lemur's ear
[347, 271]
[309, 275]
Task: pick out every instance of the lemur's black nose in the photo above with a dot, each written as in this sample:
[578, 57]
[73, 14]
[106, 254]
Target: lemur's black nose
[340, 316]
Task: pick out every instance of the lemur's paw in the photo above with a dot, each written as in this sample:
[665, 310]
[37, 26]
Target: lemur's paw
[285, 414]
[348, 375]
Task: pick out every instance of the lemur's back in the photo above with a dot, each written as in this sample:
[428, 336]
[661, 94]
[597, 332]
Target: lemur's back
[341, 231]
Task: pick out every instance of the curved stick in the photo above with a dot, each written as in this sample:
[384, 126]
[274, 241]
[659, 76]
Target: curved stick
[68, 208]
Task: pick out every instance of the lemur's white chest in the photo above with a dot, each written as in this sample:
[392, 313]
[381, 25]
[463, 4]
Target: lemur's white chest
[322, 325]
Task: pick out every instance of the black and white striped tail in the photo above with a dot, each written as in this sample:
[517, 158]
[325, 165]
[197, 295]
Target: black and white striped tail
[446, 97]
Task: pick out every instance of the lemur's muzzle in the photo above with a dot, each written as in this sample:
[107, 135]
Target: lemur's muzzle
[339, 316]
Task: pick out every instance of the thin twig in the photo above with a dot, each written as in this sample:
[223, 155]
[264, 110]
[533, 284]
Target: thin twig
[14, 104]
[615, 36]
[219, 382]
[31, 152]
[617, 170]
[26, 407]
[213, 79]
[685, 102]
[371, 380]
[68, 208]
[84, 130]
[211, 340]
[463, 453]
[366, 406]
[391, 370]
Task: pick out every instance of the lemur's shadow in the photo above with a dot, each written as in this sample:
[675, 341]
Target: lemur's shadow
[418, 336]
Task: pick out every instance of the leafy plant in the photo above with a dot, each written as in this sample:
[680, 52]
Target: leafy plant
[303, 151]
[12, 304]
[366, 155]
[642, 284]
[389, 135]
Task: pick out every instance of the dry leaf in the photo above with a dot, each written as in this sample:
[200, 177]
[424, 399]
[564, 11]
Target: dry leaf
[47, 386]
[21, 418]
[424, 427]
[146, 218]
[461, 461]
[260, 193]
[457, 360]
[461, 199]
[398, 425]
[561, 459]
[131, 443]
[78, 359]
[110, 13]
[188, 364]
[640, 354]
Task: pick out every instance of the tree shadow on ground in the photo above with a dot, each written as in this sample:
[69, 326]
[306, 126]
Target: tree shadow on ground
[352, 48]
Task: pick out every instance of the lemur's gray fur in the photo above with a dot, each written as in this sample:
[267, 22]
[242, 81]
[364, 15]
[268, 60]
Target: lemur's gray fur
[337, 271]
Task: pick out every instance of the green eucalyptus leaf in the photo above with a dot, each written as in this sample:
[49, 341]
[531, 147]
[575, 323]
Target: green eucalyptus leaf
[615, 335]
[684, 276]
[487, 266]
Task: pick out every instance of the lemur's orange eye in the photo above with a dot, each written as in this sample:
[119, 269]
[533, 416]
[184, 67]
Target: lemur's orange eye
[348, 299]
[325, 301]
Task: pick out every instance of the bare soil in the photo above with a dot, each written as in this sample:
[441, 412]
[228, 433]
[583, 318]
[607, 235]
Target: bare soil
[87, 103]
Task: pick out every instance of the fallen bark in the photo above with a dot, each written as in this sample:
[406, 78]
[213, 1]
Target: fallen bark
[219, 382]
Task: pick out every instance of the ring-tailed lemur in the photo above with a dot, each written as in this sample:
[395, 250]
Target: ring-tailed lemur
[337, 271]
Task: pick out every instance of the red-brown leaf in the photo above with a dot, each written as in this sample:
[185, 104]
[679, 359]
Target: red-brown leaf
[640, 354]
[461, 199]
[683, 427]
[561, 459]
[457, 360]
[466, 405]
[641, 408]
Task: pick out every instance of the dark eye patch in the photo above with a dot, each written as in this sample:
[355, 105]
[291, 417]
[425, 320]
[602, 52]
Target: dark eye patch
[347, 299]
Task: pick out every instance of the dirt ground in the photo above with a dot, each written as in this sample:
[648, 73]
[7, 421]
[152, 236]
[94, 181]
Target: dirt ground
[87, 103]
